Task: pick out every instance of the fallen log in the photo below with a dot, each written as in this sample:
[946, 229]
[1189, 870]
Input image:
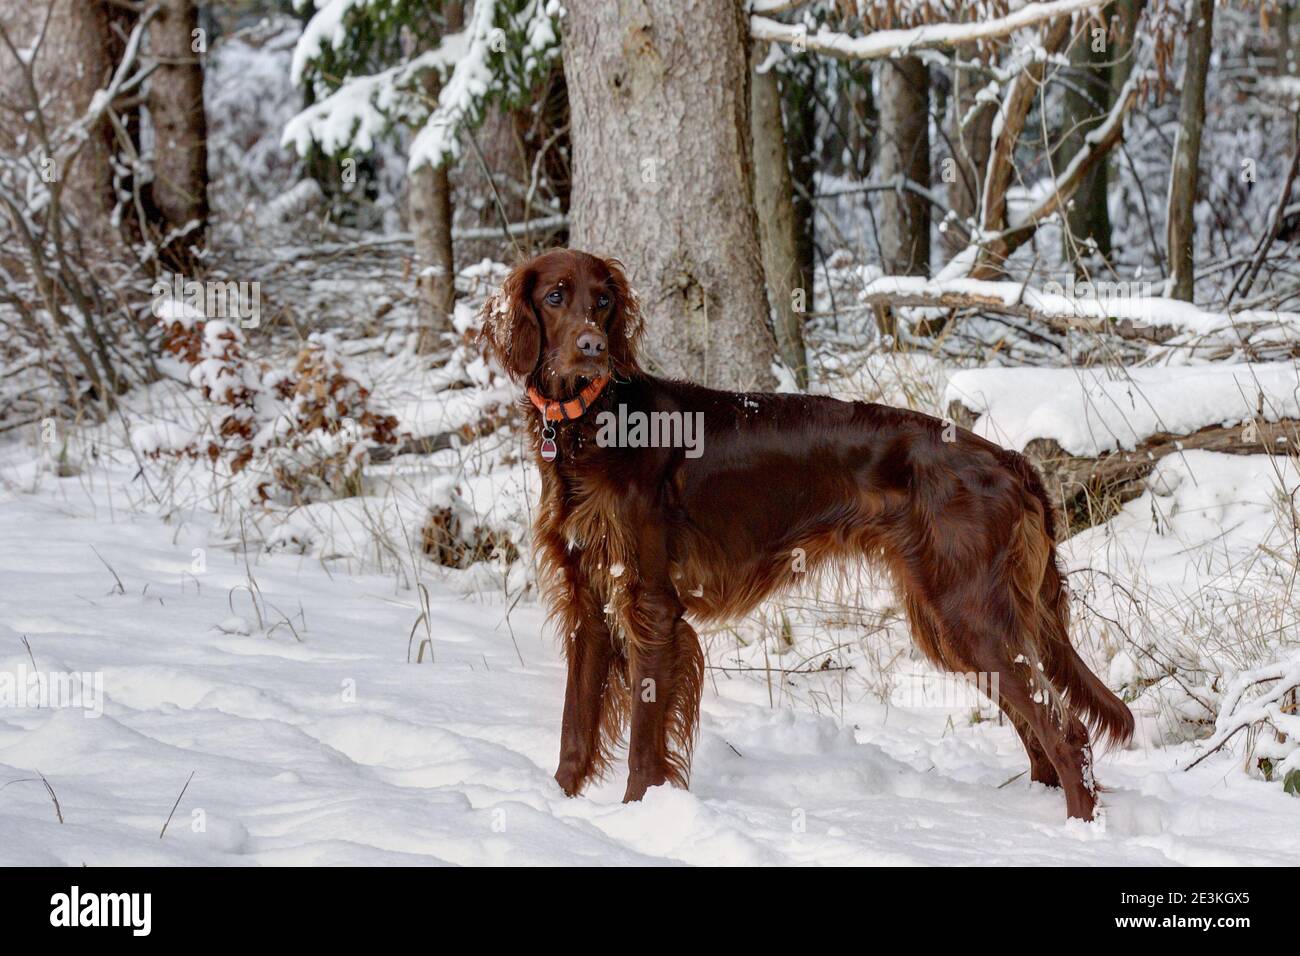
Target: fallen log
[1060, 322]
[1118, 309]
[1089, 491]
[428, 444]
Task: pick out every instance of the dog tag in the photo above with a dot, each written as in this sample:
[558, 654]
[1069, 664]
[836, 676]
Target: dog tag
[549, 451]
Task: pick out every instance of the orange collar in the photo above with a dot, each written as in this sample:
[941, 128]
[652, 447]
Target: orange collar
[571, 408]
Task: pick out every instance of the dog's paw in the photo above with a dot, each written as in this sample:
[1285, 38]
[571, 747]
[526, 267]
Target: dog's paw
[569, 779]
[638, 784]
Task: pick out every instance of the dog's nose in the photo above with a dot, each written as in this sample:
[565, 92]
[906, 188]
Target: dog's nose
[592, 343]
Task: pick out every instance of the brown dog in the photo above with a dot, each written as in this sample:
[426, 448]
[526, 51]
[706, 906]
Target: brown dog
[635, 537]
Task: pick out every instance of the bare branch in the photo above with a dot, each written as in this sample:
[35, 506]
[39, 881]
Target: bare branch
[1008, 125]
[1096, 145]
[1247, 277]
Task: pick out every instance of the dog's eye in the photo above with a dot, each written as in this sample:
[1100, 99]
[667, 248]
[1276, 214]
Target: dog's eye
[554, 297]
[602, 301]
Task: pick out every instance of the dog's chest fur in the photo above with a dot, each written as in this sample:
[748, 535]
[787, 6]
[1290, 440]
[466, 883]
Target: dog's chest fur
[581, 539]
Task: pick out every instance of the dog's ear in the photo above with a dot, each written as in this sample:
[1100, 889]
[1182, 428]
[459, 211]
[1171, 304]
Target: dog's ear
[510, 332]
[625, 330]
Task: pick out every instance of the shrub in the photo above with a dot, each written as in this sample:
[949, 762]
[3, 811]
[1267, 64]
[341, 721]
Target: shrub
[304, 433]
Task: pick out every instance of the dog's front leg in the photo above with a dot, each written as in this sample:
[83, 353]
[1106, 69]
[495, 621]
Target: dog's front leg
[593, 687]
[667, 674]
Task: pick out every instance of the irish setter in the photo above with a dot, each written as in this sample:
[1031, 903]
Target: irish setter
[635, 539]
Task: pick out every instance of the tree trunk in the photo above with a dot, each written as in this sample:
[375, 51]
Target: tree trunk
[863, 120]
[78, 33]
[673, 199]
[429, 204]
[774, 203]
[1085, 103]
[429, 207]
[905, 155]
[1288, 27]
[175, 101]
[972, 141]
[1187, 151]
[1127, 14]
[801, 139]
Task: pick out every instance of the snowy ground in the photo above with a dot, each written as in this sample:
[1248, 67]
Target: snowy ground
[322, 744]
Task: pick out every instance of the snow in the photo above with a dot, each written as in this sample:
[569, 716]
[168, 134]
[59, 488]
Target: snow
[285, 683]
[1092, 411]
[157, 437]
[359, 112]
[1285, 88]
[1188, 588]
[325, 29]
[1197, 499]
[470, 81]
[363, 108]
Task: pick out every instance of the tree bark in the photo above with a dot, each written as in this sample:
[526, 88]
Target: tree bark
[1127, 15]
[863, 120]
[429, 205]
[777, 234]
[1085, 103]
[1181, 233]
[801, 140]
[429, 208]
[175, 103]
[663, 178]
[905, 155]
[78, 33]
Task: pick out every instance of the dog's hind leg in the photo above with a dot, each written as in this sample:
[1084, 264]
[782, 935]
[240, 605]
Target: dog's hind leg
[1039, 717]
[1041, 769]
[1066, 748]
[927, 632]
[987, 642]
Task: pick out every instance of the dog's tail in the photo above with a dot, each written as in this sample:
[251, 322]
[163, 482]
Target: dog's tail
[1044, 603]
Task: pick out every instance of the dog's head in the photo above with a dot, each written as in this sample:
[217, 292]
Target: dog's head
[561, 319]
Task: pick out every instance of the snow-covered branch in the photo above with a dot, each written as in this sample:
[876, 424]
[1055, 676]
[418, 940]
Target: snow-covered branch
[996, 239]
[498, 53]
[1121, 308]
[364, 107]
[1274, 707]
[325, 30]
[888, 43]
[769, 7]
[461, 98]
